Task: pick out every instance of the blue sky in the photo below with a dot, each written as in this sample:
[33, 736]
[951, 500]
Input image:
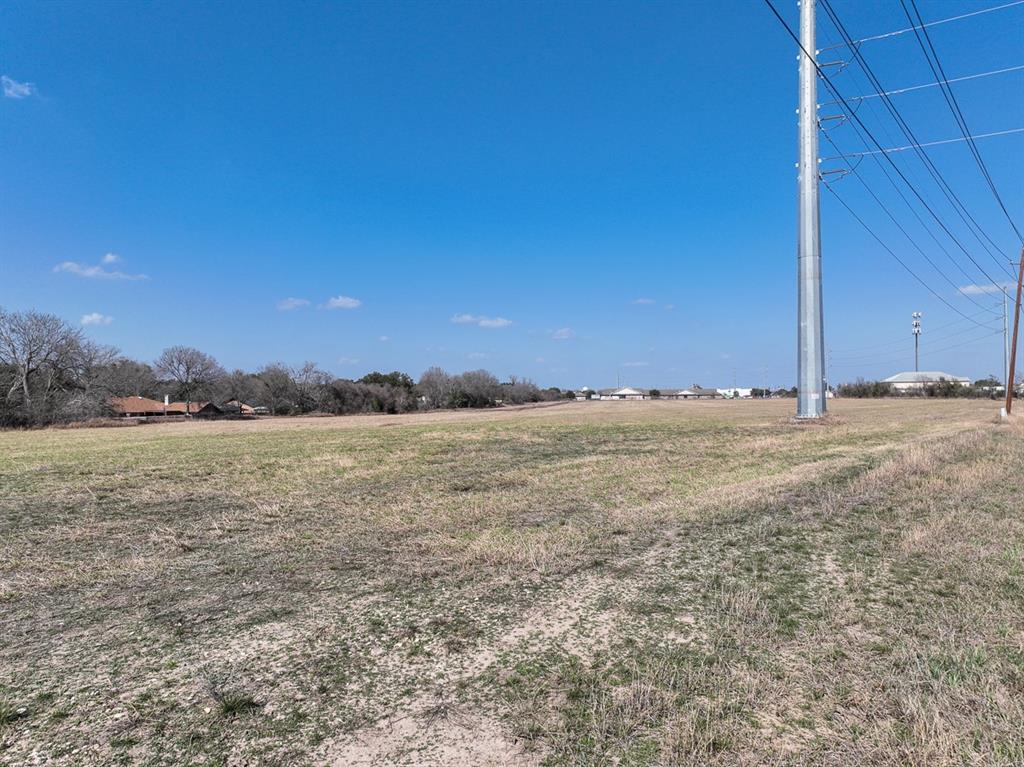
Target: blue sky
[566, 191]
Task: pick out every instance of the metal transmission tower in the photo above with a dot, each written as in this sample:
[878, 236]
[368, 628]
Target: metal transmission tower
[811, 329]
[916, 329]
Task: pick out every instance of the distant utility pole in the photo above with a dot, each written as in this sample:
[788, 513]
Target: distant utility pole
[1016, 325]
[811, 326]
[916, 326]
[1006, 345]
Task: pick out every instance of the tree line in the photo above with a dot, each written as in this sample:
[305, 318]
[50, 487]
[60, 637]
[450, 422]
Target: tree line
[984, 388]
[50, 373]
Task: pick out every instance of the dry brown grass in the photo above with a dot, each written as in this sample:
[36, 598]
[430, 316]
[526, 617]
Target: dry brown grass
[593, 583]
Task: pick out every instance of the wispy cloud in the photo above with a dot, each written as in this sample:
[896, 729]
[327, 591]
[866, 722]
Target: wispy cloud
[384, 339]
[110, 258]
[644, 301]
[96, 272]
[635, 364]
[343, 302]
[982, 290]
[291, 304]
[481, 321]
[15, 90]
[95, 318]
[476, 355]
[669, 307]
[347, 361]
[563, 334]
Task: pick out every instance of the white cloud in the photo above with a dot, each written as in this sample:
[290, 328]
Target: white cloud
[110, 258]
[95, 272]
[563, 334]
[15, 90]
[95, 318]
[481, 321]
[347, 360]
[476, 355]
[384, 339]
[635, 364]
[539, 359]
[669, 307]
[645, 301]
[494, 322]
[343, 302]
[290, 304]
[981, 290]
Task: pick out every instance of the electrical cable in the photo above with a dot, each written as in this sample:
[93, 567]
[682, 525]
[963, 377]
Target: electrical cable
[940, 75]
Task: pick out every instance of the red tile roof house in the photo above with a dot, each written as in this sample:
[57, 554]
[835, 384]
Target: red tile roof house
[197, 409]
[136, 407]
[143, 407]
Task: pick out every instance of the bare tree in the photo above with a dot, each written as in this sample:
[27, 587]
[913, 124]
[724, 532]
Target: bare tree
[42, 351]
[476, 388]
[190, 368]
[242, 387]
[124, 377]
[435, 387]
[280, 387]
[311, 386]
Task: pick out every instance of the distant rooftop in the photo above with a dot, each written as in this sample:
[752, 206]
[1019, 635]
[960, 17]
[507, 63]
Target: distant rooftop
[924, 376]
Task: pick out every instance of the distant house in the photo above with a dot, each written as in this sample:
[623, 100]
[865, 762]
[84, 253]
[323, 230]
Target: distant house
[200, 409]
[736, 393]
[694, 392]
[138, 407]
[625, 392]
[916, 381]
[584, 394]
[235, 407]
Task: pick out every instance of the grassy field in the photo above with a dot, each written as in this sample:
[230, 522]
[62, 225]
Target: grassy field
[634, 583]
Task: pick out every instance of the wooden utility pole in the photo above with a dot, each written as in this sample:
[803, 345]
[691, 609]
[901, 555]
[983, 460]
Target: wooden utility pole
[1016, 324]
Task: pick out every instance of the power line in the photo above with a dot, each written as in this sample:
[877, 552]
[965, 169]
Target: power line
[929, 143]
[902, 196]
[896, 357]
[935, 84]
[892, 253]
[909, 344]
[951, 196]
[945, 187]
[852, 113]
[912, 241]
[954, 106]
[835, 92]
[903, 339]
[929, 24]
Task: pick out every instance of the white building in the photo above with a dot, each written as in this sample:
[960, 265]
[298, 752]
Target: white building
[626, 392]
[915, 381]
[736, 393]
[582, 395]
[694, 392]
